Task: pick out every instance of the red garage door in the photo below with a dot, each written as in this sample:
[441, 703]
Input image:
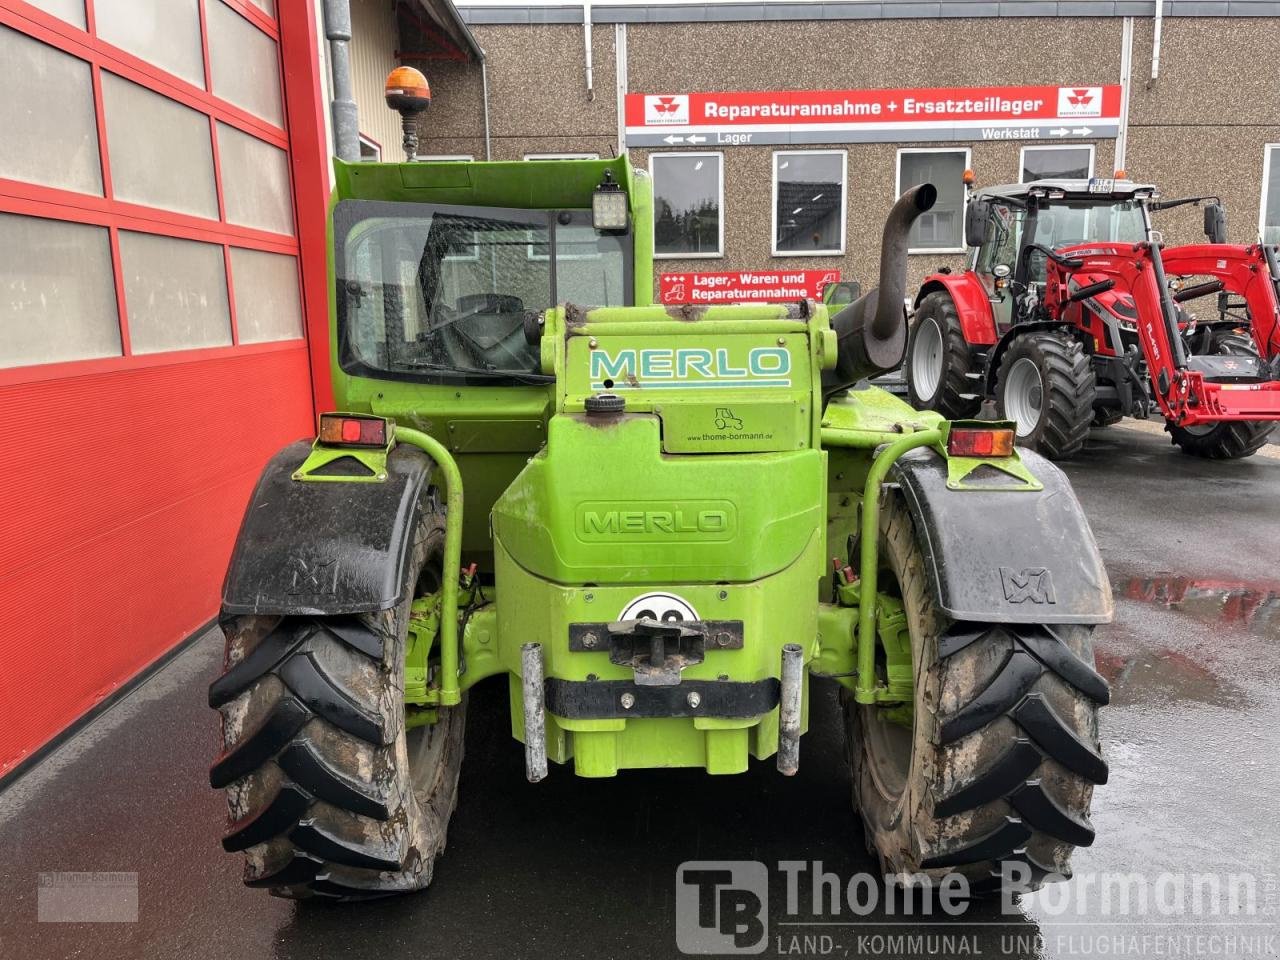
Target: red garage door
[161, 175]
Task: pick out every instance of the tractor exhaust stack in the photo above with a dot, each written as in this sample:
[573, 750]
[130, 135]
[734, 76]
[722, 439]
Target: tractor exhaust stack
[872, 331]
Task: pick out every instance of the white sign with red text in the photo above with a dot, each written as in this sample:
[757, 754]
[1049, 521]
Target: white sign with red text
[744, 286]
[871, 116]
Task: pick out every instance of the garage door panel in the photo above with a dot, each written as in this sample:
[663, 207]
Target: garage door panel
[151, 293]
[49, 132]
[165, 33]
[161, 153]
[57, 292]
[245, 64]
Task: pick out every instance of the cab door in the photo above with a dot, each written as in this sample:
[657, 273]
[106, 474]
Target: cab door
[1004, 233]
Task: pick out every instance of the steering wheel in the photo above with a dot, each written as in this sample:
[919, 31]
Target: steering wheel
[463, 349]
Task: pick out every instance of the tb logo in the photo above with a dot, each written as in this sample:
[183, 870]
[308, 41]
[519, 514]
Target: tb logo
[722, 906]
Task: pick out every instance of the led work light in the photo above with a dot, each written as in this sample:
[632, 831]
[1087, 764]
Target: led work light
[609, 206]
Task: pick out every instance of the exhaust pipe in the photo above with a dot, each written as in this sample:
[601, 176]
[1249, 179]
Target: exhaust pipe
[872, 331]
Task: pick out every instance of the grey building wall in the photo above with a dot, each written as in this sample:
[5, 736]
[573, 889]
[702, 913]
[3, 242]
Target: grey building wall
[1199, 129]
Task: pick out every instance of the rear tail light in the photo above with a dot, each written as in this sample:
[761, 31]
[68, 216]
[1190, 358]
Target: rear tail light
[980, 442]
[347, 430]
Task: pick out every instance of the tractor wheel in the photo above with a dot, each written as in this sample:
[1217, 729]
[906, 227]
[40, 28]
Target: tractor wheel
[328, 793]
[1046, 386]
[998, 762]
[938, 361]
[1231, 439]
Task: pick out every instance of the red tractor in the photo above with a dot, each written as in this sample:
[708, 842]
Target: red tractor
[1069, 315]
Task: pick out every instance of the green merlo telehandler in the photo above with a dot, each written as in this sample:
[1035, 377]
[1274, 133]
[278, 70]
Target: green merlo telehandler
[662, 524]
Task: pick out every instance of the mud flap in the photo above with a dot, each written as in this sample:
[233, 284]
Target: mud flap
[325, 548]
[1003, 556]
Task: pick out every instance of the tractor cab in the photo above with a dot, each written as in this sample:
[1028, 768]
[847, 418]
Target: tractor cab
[1005, 226]
[442, 292]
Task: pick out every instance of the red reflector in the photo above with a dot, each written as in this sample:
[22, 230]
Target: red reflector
[980, 443]
[373, 432]
[351, 431]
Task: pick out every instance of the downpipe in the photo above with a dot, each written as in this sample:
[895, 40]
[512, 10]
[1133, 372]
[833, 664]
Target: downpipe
[872, 331]
[346, 119]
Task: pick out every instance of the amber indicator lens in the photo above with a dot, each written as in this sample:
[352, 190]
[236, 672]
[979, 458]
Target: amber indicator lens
[965, 442]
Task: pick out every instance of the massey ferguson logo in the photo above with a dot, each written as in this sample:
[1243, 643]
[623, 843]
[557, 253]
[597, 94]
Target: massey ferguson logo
[666, 109]
[1079, 101]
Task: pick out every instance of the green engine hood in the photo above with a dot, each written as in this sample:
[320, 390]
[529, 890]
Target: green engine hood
[602, 503]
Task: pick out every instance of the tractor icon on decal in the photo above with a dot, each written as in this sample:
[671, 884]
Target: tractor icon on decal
[725, 420]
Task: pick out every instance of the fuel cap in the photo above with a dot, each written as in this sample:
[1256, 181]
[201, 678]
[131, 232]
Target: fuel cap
[605, 405]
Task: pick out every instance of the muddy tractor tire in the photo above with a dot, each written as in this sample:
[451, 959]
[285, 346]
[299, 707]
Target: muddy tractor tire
[939, 362]
[1046, 385]
[1231, 439]
[998, 764]
[328, 794]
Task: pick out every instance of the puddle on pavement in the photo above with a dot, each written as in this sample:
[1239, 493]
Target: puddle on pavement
[1165, 674]
[1251, 605]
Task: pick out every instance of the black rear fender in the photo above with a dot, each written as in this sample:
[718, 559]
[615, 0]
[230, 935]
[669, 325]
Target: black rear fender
[1002, 556]
[308, 547]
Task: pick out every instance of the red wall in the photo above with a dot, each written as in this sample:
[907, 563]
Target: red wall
[123, 480]
[121, 497]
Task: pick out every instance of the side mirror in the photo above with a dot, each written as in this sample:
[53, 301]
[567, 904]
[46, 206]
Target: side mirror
[842, 293]
[1215, 222]
[977, 218]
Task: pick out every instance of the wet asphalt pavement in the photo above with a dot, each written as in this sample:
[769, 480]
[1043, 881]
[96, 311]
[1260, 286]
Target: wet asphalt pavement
[580, 868]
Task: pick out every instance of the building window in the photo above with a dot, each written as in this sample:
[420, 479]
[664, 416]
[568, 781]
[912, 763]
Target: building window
[1269, 209]
[808, 202]
[370, 150]
[1056, 163]
[456, 157]
[562, 156]
[688, 202]
[941, 230]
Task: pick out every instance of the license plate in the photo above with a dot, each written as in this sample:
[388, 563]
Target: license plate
[1098, 185]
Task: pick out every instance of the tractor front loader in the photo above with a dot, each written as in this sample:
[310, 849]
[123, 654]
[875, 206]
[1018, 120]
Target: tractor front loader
[1221, 403]
[661, 525]
[1059, 357]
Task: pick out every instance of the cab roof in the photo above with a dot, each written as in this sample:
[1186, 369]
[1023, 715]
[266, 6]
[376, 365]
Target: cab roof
[1076, 189]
